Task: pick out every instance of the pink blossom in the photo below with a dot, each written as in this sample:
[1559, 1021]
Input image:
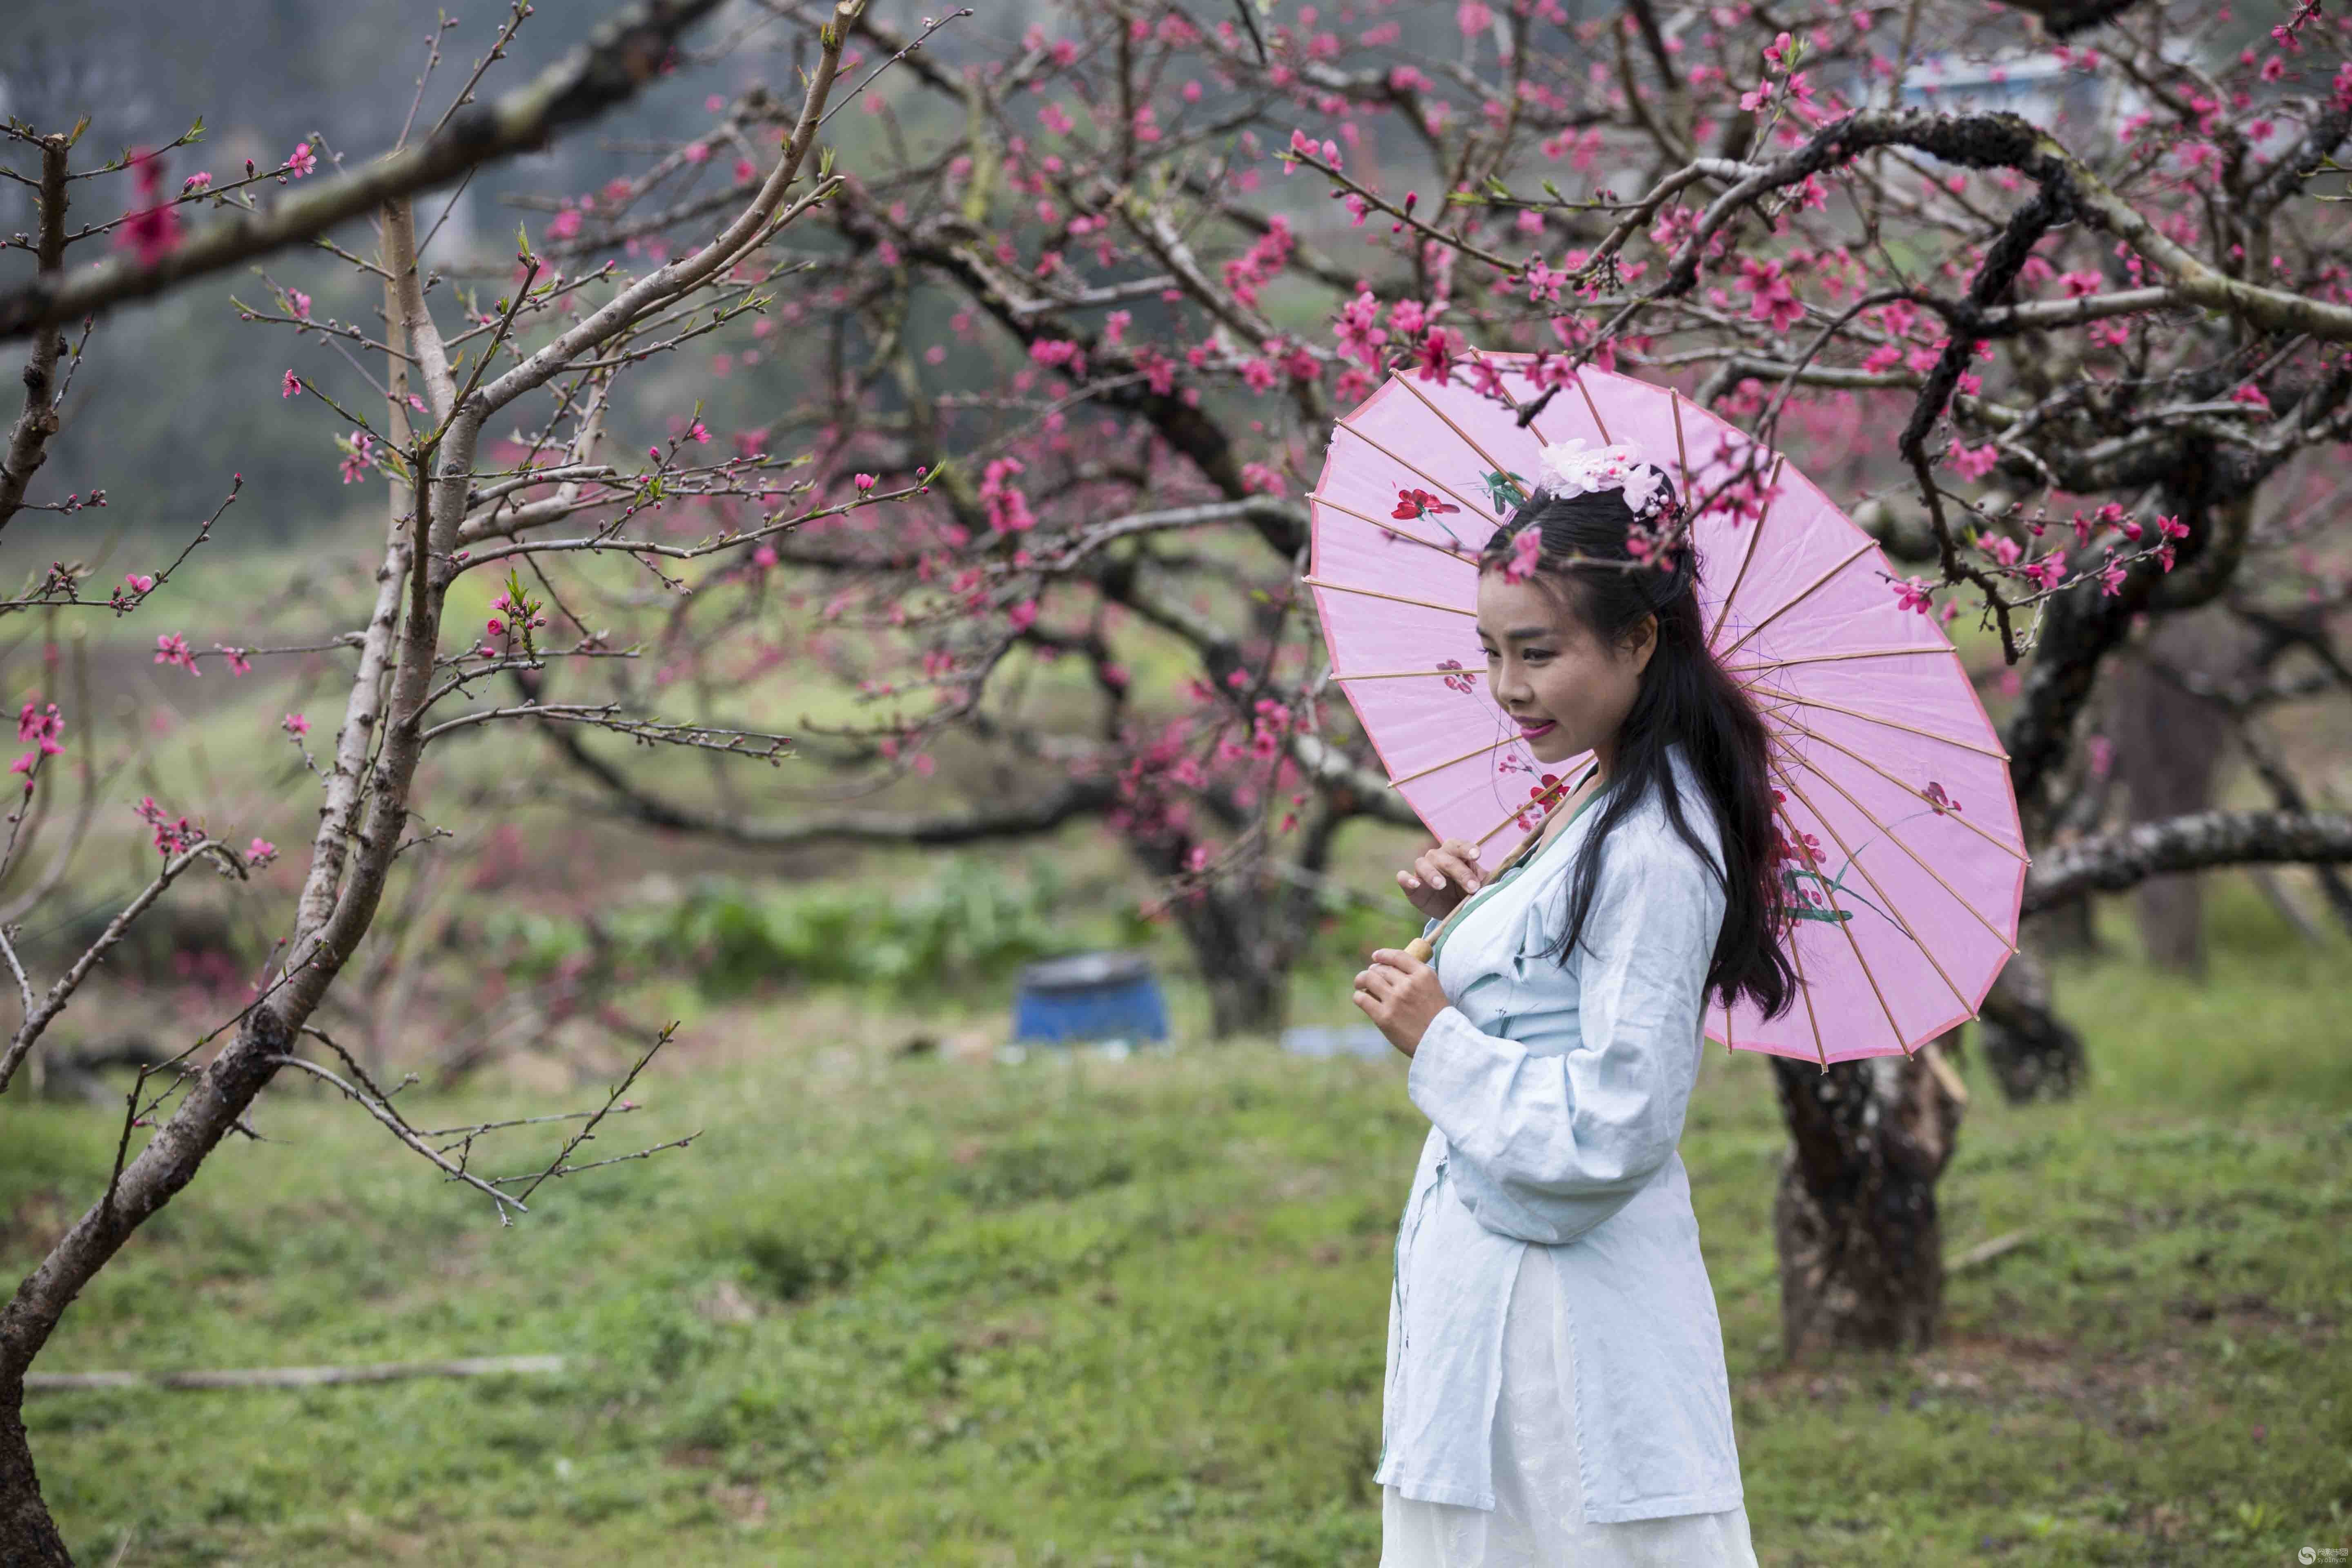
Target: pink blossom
[261, 852]
[2002, 548]
[1972, 463]
[1525, 545]
[695, 151]
[301, 303]
[41, 727]
[564, 225]
[355, 461]
[1910, 594]
[291, 385]
[699, 433]
[303, 161]
[497, 627]
[865, 483]
[295, 724]
[199, 181]
[1023, 615]
[152, 230]
[236, 659]
[172, 648]
[140, 582]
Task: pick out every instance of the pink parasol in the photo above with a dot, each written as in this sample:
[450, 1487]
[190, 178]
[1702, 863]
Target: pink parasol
[1899, 830]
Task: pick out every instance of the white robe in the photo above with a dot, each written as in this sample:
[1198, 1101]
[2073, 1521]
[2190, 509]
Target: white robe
[1556, 1094]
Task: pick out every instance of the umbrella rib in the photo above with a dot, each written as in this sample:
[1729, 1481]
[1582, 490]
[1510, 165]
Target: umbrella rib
[1471, 441]
[1398, 674]
[1846, 926]
[1322, 499]
[1376, 594]
[1594, 409]
[1440, 767]
[1812, 735]
[1832, 657]
[1796, 956]
[1855, 861]
[1749, 555]
[1897, 841]
[1682, 462]
[1874, 719]
[1864, 548]
[1408, 468]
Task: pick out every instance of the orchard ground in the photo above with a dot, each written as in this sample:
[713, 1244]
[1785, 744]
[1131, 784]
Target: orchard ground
[911, 1306]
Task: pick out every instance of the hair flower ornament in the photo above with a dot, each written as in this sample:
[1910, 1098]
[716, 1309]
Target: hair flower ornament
[1575, 468]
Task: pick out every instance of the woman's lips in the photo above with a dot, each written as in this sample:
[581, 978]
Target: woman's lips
[1529, 731]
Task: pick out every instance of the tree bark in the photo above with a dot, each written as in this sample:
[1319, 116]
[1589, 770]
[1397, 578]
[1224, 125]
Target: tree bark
[1855, 1222]
[28, 1537]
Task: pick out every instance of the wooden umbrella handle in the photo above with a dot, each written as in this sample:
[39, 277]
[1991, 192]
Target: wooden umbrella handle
[1419, 949]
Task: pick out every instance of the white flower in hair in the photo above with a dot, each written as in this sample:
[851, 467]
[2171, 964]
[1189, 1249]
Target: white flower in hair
[1573, 468]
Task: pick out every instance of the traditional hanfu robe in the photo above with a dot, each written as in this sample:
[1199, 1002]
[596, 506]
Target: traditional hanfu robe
[1556, 1094]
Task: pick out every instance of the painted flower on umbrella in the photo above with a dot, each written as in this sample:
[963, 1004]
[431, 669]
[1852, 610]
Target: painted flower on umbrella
[1459, 681]
[1937, 797]
[1542, 798]
[1420, 503]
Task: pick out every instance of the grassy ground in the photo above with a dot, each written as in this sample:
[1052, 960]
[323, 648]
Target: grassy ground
[918, 1310]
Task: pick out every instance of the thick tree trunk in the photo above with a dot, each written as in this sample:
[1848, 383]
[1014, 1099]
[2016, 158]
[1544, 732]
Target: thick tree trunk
[28, 1536]
[2031, 1052]
[1249, 988]
[1856, 1225]
[2169, 744]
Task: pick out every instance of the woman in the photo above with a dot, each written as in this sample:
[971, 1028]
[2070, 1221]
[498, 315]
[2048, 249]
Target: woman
[1556, 1386]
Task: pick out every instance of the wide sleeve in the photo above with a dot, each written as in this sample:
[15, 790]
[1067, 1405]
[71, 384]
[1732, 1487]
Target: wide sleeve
[1553, 1144]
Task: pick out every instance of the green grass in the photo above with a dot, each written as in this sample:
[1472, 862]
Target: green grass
[896, 1311]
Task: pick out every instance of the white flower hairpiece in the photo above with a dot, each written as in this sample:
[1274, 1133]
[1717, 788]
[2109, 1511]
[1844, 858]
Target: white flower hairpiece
[1573, 468]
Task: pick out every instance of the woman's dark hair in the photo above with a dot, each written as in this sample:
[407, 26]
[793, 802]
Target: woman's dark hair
[1684, 696]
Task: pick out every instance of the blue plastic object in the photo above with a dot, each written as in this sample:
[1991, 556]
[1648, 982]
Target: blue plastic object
[1090, 997]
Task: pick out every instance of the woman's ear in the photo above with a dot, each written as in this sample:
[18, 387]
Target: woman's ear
[1645, 643]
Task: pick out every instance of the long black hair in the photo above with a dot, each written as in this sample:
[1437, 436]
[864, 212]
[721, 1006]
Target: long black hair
[1584, 562]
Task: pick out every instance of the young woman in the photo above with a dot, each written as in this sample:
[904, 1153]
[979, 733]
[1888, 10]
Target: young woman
[1556, 1389]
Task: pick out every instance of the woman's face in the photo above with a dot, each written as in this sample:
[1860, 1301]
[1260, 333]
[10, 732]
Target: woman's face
[1569, 694]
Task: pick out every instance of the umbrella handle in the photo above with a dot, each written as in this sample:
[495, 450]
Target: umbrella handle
[1419, 949]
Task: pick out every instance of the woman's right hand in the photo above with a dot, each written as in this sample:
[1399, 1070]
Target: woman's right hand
[1442, 878]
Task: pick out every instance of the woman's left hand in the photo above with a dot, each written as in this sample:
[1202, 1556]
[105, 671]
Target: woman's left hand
[1400, 993]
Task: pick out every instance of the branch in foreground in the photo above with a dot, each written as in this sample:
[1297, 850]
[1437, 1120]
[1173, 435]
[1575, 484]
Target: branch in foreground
[622, 55]
[1077, 797]
[2129, 855]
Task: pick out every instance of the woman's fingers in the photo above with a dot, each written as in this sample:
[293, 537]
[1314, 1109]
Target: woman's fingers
[1441, 865]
